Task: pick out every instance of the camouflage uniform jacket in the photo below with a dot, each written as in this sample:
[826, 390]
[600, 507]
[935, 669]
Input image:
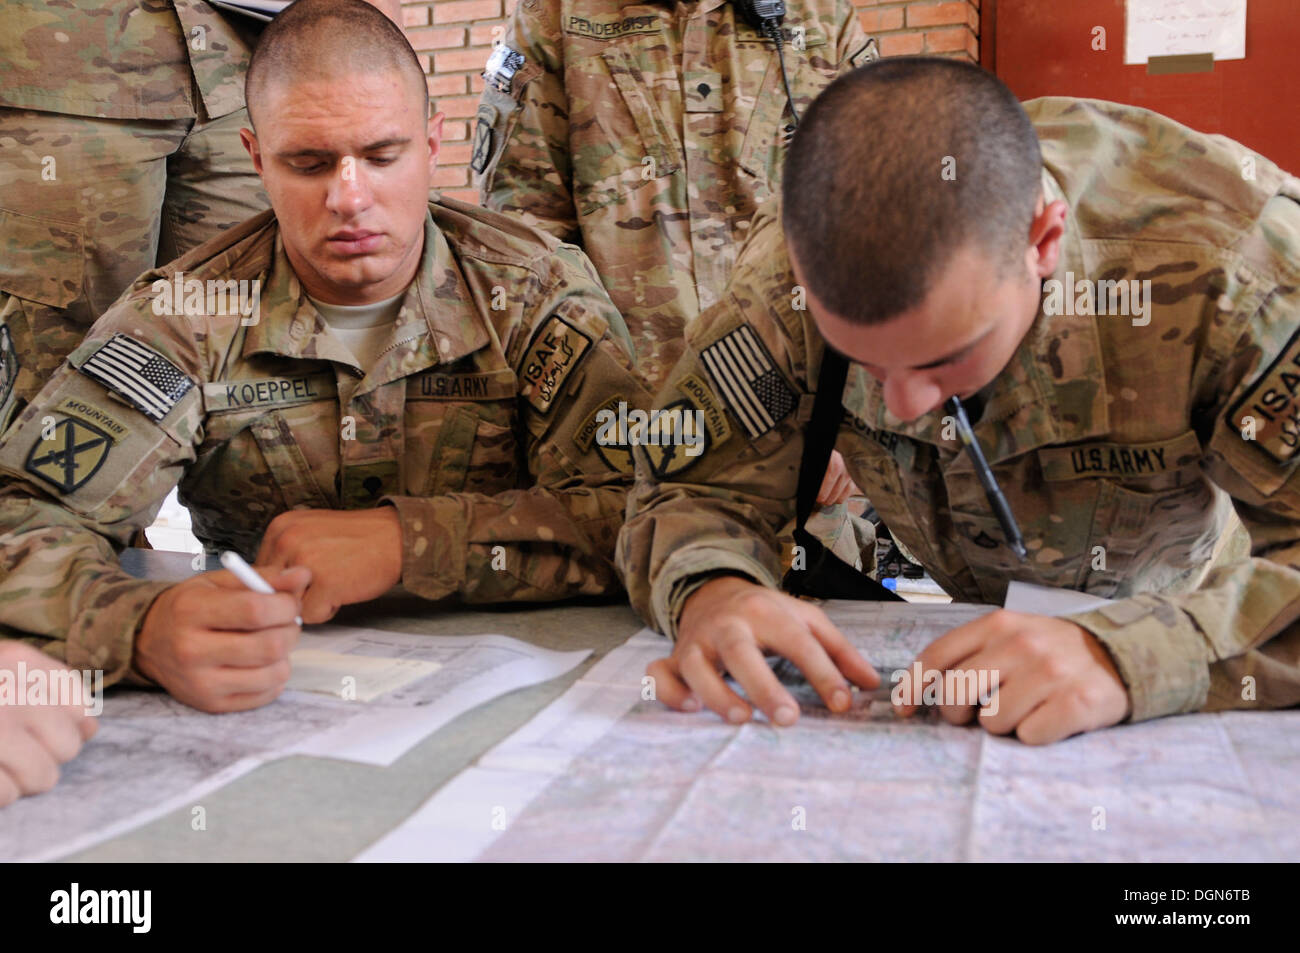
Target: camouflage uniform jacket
[53, 58]
[649, 134]
[474, 422]
[1117, 440]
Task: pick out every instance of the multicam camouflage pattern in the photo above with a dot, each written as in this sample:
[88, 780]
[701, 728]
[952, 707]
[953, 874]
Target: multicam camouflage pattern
[129, 59]
[648, 134]
[1119, 446]
[109, 164]
[471, 423]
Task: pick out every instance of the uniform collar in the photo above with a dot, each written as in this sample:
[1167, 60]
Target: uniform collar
[435, 325]
[1052, 391]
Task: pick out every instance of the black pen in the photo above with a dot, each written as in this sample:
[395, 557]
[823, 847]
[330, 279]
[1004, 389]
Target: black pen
[991, 489]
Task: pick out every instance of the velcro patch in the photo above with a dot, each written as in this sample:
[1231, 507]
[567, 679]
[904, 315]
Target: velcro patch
[673, 441]
[555, 352]
[614, 28]
[95, 416]
[72, 454]
[484, 136]
[484, 385]
[715, 418]
[502, 66]
[596, 429]
[754, 390]
[8, 374]
[268, 392]
[1269, 414]
[136, 372]
[1118, 460]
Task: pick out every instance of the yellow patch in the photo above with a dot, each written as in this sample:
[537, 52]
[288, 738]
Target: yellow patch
[76, 407]
[551, 358]
[1269, 414]
[715, 418]
[70, 456]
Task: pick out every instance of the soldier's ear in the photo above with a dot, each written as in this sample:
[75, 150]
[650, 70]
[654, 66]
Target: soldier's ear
[1045, 234]
[435, 140]
[249, 139]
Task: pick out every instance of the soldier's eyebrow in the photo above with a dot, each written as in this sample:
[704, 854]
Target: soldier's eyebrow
[956, 355]
[330, 153]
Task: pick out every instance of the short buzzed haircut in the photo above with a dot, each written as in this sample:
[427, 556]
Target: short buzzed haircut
[894, 168]
[322, 39]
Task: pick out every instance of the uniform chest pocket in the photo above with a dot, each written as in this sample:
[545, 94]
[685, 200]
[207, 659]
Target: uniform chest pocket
[770, 124]
[618, 145]
[472, 449]
[254, 464]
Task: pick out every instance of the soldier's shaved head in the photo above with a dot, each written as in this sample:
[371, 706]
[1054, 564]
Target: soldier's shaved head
[325, 39]
[896, 167]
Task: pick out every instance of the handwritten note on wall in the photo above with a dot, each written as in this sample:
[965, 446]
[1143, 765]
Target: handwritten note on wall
[1172, 27]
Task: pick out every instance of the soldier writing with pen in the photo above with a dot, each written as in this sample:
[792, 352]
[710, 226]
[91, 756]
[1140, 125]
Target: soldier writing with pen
[405, 405]
[919, 253]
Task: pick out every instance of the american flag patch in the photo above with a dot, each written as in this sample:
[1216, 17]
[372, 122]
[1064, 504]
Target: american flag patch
[749, 382]
[152, 384]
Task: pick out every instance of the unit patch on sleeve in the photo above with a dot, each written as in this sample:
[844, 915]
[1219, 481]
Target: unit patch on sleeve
[71, 455]
[148, 381]
[748, 380]
[554, 353]
[1269, 414]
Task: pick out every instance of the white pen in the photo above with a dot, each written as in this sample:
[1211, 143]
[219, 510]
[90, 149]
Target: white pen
[249, 577]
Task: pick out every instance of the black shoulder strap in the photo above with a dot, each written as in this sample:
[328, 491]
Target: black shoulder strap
[825, 575]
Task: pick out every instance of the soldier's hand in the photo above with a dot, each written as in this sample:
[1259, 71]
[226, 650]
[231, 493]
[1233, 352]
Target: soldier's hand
[353, 555]
[1053, 678]
[837, 486]
[727, 625]
[36, 739]
[218, 646]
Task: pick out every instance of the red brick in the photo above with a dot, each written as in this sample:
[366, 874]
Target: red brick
[451, 85]
[431, 39]
[458, 11]
[952, 40]
[460, 61]
[450, 176]
[458, 107]
[415, 16]
[938, 14]
[453, 131]
[464, 195]
[486, 34]
[877, 21]
[455, 154]
[477, 83]
[901, 44]
[510, 7]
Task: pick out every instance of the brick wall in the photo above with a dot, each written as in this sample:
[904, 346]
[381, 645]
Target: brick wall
[453, 38]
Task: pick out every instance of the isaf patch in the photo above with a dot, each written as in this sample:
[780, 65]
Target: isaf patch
[136, 372]
[748, 380]
[551, 358]
[73, 454]
[1270, 411]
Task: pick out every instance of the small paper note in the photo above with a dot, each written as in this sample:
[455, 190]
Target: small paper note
[328, 673]
[1179, 27]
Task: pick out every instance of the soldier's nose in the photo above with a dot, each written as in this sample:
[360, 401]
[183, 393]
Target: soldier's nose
[909, 397]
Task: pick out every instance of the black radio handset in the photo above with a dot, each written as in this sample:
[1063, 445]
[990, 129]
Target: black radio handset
[766, 16]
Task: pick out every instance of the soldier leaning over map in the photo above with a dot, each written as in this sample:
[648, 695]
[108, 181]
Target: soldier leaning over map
[1123, 438]
[407, 397]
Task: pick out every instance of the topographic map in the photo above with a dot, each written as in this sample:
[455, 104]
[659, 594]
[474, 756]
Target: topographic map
[603, 774]
[153, 754]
